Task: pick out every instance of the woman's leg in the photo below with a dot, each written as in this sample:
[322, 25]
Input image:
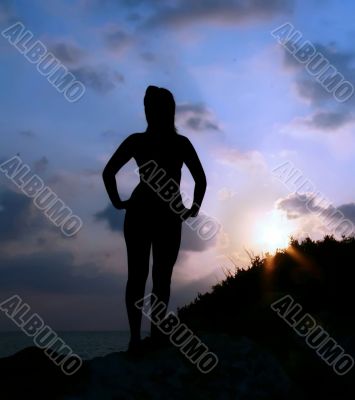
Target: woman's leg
[138, 242]
[165, 245]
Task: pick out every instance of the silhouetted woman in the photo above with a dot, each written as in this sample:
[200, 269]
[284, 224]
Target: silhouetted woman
[154, 212]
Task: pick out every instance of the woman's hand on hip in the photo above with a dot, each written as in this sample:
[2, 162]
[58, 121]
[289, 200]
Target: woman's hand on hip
[121, 205]
[188, 213]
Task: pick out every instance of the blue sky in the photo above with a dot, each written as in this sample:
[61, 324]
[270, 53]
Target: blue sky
[242, 100]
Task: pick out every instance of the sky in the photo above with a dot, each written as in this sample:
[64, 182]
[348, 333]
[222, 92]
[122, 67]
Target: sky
[245, 102]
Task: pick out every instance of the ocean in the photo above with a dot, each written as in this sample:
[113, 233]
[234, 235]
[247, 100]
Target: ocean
[86, 344]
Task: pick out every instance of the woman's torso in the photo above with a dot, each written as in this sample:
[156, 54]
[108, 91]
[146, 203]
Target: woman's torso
[159, 159]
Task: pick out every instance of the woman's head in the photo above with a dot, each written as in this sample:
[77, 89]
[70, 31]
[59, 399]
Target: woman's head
[159, 107]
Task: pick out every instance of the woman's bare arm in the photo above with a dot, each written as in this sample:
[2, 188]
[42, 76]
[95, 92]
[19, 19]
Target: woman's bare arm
[194, 165]
[121, 156]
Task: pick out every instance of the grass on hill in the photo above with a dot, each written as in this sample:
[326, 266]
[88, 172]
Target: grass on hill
[320, 276]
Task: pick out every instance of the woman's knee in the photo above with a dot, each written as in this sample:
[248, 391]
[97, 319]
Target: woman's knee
[161, 281]
[136, 284]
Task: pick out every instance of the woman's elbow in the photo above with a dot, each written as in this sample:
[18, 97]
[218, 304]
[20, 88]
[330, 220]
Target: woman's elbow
[106, 173]
[203, 180]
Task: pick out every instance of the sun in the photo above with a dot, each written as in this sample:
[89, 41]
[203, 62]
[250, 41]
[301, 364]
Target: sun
[273, 231]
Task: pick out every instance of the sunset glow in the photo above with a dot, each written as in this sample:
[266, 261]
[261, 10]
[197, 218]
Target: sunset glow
[273, 232]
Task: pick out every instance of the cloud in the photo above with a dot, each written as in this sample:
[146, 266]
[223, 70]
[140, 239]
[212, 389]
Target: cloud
[190, 241]
[332, 128]
[225, 194]
[99, 78]
[27, 133]
[110, 134]
[180, 13]
[297, 206]
[116, 39]
[113, 217]
[67, 53]
[6, 12]
[328, 115]
[196, 117]
[219, 12]
[15, 215]
[133, 17]
[327, 120]
[21, 221]
[55, 272]
[148, 56]
[348, 210]
[40, 166]
[251, 160]
[307, 85]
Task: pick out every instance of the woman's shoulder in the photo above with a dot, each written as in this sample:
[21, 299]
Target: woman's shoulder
[182, 139]
[142, 138]
[134, 137]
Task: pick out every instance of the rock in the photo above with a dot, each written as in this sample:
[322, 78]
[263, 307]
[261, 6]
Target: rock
[243, 372]
[30, 374]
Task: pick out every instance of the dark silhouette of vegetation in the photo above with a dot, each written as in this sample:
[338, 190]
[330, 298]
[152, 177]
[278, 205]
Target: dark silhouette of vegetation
[319, 275]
